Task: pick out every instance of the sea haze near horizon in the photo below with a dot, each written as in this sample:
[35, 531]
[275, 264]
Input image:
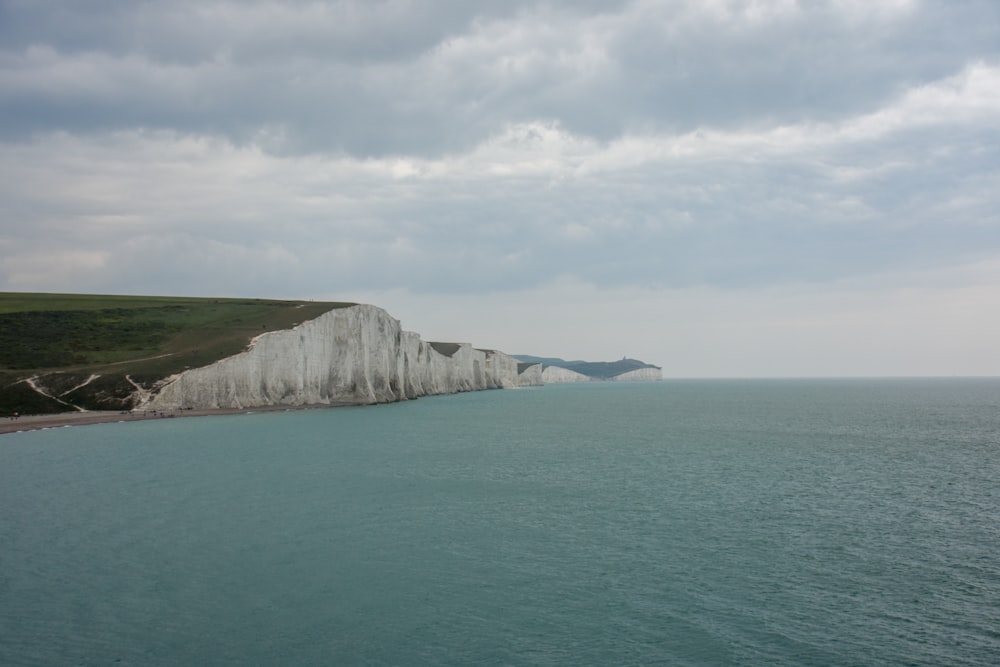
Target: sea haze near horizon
[702, 522]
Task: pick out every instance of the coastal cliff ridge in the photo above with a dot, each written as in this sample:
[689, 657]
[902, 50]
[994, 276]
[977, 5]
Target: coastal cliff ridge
[83, 353]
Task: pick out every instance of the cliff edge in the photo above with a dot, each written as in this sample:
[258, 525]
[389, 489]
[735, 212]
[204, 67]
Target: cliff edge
[357, 354]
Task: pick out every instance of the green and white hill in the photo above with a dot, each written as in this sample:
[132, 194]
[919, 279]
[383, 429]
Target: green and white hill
[62, 352]
[597, 370]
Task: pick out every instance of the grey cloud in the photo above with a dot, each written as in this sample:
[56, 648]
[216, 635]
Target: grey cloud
[143, 159]
[895, 204]
[433, 78]
[184, 31]
[813, 64]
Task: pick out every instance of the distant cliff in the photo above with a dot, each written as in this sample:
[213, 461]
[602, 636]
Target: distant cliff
[639, 375]
[357, 354]
[555, 370]
[558, 375]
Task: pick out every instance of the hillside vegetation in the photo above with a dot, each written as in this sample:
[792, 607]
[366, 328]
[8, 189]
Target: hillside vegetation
[60, 341]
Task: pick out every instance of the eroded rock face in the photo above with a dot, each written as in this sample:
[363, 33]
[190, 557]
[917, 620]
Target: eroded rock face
[640, 375]
[348, 355]
[529, 375]
[556, 375]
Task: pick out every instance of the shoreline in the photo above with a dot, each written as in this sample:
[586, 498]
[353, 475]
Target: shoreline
[64, 419]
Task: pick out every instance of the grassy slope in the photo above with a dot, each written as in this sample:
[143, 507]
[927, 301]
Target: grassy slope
[66, 337]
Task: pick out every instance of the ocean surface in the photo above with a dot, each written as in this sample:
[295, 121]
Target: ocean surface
[784, 522]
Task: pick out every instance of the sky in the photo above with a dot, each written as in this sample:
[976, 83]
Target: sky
[755, 188]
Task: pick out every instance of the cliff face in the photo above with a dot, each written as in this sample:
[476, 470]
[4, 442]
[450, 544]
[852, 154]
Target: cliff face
[556, 375]
[639, 375]
[529, 375]
[357, 354]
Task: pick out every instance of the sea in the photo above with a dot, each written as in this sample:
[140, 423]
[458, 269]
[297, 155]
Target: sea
[684, 522]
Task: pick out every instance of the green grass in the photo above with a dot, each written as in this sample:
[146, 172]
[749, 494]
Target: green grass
[149, 337]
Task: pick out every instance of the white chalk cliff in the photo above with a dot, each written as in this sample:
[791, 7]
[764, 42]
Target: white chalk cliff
[557, 375]
[357, 354]
[529, 375]
[639, 375]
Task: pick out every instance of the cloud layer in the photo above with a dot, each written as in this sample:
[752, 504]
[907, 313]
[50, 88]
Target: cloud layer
[494, 153]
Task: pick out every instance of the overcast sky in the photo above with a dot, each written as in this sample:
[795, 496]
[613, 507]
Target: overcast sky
[720, 187]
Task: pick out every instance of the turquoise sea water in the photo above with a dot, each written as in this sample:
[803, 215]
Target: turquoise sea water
[819, 522]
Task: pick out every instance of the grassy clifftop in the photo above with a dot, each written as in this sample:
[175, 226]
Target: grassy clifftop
[62, 340]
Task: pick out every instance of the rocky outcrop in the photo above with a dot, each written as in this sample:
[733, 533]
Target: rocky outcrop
[639, 375]
[357, 354]
[557, 375]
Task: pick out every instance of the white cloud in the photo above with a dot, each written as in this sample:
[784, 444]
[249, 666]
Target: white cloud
[624, 197]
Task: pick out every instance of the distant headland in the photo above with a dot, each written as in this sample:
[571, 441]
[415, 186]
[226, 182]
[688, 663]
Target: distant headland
[556, 370]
